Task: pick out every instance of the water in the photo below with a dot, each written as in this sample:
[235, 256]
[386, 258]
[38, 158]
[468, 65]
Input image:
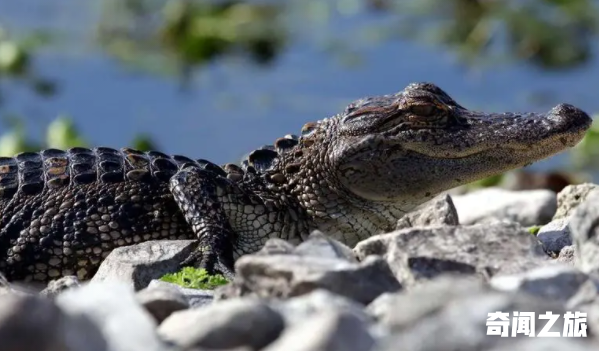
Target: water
[234, 107]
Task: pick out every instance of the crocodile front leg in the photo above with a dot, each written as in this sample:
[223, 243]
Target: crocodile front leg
[199, 194]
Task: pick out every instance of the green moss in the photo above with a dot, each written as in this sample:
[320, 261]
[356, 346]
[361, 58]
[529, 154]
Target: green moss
[534, 229]
[194, 278]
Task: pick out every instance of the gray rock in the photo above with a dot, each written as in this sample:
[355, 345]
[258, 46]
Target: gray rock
[528, 208]
[572, 196]
[523, 179]
[438, 211]
[276, 246]
[57, 286]
[18, 288]
[161, 301]
[548, 344]
[433, 296]
[416, 254]
[317, 244]
[195, 297]
[585, 233]
[592, 310]
[125, 325]
[555, 235]
[457, 317]
[320, 245]
[140, 263]
[227, 324]
[297, 309]
[283, 276]
[330, 331]
[5, 291]
[37, 324]
[567, 255]
[562, 283]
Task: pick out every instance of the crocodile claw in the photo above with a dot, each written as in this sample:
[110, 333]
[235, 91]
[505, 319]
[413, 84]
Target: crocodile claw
[212, 262]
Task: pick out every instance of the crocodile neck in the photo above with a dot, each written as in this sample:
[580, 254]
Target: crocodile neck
[312, 181]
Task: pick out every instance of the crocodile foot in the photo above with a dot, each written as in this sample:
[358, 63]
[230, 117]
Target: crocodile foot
[214, 263]
[195, 191]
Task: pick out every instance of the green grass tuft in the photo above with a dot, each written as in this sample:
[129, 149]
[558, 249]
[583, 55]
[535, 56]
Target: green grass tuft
[194, 278]
[534, 229]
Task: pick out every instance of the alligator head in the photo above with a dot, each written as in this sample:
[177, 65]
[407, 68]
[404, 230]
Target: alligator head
[405, 148]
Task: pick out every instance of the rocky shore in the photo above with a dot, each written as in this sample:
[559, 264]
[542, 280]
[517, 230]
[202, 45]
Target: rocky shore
[429, 285]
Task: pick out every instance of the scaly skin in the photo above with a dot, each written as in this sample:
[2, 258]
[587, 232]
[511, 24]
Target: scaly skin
[352, 176]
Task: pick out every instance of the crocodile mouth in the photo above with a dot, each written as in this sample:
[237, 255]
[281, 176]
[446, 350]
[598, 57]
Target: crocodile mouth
[539, 135]
[545, 146]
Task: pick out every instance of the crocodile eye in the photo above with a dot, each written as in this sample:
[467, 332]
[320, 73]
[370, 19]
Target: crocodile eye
[350, 108]
[424, 110]
[308, 128]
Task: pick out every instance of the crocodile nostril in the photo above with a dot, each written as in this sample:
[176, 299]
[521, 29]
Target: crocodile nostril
[569, 115]
[565, 117]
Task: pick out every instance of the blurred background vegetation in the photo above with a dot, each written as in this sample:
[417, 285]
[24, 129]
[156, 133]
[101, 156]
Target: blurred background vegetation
[213, 79]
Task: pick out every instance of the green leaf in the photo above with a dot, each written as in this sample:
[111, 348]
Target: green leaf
[11, 143]
[62, 134]
[143, 142]
[13, 59]
[14, 142]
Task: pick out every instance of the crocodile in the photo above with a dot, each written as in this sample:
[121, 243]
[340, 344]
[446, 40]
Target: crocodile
[352, 175]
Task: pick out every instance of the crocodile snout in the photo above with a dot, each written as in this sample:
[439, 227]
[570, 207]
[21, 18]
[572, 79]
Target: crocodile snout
[569, 118]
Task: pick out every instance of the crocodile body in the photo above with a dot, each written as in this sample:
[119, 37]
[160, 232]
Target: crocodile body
[352, 176]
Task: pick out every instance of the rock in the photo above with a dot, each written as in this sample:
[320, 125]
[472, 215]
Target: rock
[16, 288]
[330, 331]
[561, 283]
[555, 235]
[195, 297]
[320, 245]
[5, 291]
[438, 211]
[29, 323]
[317, 244]
[592, 310]
[57, 286]
[567, 255]
[283, 276]
[416, 254]
[434, 295]
[528, 208]
[298, 309]
[572, 196]
[276, 246]
[112, 307]
[548, 344]
[524, 180]
[451, 314]
[161, 301]
[585, 233]
[140, 263]
[227, 324]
